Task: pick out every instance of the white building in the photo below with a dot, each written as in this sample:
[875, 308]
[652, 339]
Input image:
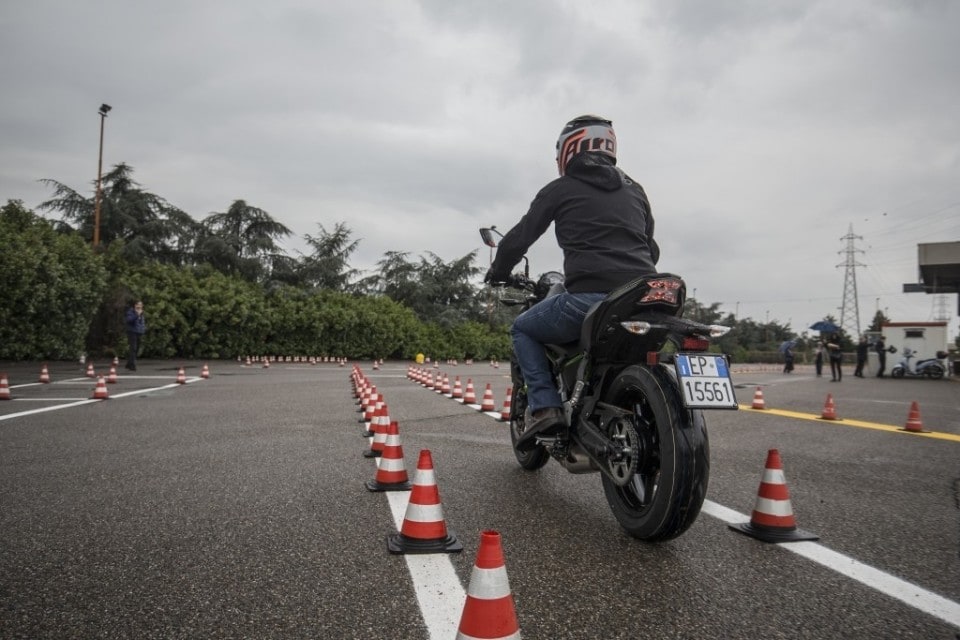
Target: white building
[925, 339]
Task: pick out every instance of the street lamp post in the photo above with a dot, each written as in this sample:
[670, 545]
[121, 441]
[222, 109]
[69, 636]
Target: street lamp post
[104, 109]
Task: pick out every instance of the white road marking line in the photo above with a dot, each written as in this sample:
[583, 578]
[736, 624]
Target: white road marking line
[906, 592]
[439, 593]
[47, 399]
[910, 594]
[79, 403]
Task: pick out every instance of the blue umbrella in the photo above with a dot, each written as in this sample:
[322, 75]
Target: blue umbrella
[789, 344]
[825, 327]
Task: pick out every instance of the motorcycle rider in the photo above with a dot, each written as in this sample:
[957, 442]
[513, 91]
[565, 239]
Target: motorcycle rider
[604, 226]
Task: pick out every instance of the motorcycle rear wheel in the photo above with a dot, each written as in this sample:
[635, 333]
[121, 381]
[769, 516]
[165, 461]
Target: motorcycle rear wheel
[666, 493]
[934, 372]
[538, 456]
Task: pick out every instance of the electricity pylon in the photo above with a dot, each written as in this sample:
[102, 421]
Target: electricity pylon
[850, 311]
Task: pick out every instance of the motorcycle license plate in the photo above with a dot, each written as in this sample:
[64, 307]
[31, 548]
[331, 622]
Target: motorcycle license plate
[705, 381]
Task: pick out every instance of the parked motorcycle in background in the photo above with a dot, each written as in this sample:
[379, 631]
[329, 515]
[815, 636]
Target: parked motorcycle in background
[928, 368]
[634, 411]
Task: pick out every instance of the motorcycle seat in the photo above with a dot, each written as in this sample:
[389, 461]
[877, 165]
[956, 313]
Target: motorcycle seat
[564, 350]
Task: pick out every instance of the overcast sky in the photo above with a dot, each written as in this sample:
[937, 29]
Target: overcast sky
[762, 130]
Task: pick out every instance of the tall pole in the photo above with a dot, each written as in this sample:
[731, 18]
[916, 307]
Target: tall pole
[850, 311]
[104, 109]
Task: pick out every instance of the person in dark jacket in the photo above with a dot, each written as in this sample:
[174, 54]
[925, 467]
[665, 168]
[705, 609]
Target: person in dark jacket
[881, 348]
[788, 359]
[862, 348]
[136, 327]
[604, 226]
[835, 355]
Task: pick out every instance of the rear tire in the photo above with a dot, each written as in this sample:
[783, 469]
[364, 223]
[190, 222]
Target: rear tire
[666, 493]
[934, 372]
[897, 372]
[538, 456]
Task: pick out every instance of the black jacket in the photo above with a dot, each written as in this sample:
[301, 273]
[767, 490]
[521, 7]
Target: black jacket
[603, 225]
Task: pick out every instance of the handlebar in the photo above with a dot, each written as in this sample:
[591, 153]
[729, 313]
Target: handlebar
[517, 281]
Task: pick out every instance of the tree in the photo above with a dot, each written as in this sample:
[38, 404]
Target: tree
[241, 240]
[879, 319]
[150, 227]
[328, 266]
[445, 294]
[50, 288]
[437, 291]
[396, 278]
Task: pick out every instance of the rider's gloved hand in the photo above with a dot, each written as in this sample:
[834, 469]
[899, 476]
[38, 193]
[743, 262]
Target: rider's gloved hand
[493, 278]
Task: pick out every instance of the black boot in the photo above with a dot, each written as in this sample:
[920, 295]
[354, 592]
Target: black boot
[541, 422]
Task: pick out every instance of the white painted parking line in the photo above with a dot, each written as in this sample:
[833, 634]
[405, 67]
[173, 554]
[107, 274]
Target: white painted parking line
[439, 592]
[906, 592]
[80, 403]
[46, 399]
[56, 407]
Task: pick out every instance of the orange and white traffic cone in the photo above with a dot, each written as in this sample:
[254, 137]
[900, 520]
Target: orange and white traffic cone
[457, 391]
[487, 404]
[391, 472]
[424, 529]
[505, 413]
[914, 424]
[829, 409]
[90, 372]
[112, 376]
[4, 387]
[489, 610]
[100, 392]
[181, 376]
[371, 407]
[44, 374]
[205, 372]
[379, 441]
[758, 402]
[772, 519]
[116, 361]
[381, 417]
[470, 395]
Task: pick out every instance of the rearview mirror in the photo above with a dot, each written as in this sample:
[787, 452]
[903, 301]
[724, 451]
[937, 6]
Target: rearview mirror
[488, 238]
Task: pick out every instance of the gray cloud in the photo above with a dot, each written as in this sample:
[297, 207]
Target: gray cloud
[760, 130]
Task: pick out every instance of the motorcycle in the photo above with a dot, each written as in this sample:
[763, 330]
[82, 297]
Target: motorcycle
[633, 409]
[928, 368]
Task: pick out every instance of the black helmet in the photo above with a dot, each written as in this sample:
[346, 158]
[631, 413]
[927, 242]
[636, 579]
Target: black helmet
[585, 133]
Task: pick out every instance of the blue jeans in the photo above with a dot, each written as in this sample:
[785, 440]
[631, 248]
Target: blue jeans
[555, 320]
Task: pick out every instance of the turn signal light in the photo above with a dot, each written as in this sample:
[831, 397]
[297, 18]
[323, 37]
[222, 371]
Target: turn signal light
[636, 327]
[717, 330]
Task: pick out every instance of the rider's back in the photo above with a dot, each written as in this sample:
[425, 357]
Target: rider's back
[602, 222]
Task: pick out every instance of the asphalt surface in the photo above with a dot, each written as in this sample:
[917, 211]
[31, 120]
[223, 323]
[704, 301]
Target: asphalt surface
[236, 507]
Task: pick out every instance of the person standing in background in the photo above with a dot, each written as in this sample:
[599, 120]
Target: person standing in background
[136, 327]
[881, 348]
[862, 348]
[836, 357]
[818, 358]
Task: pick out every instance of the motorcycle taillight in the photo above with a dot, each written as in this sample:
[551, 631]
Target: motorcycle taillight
[695, 343]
